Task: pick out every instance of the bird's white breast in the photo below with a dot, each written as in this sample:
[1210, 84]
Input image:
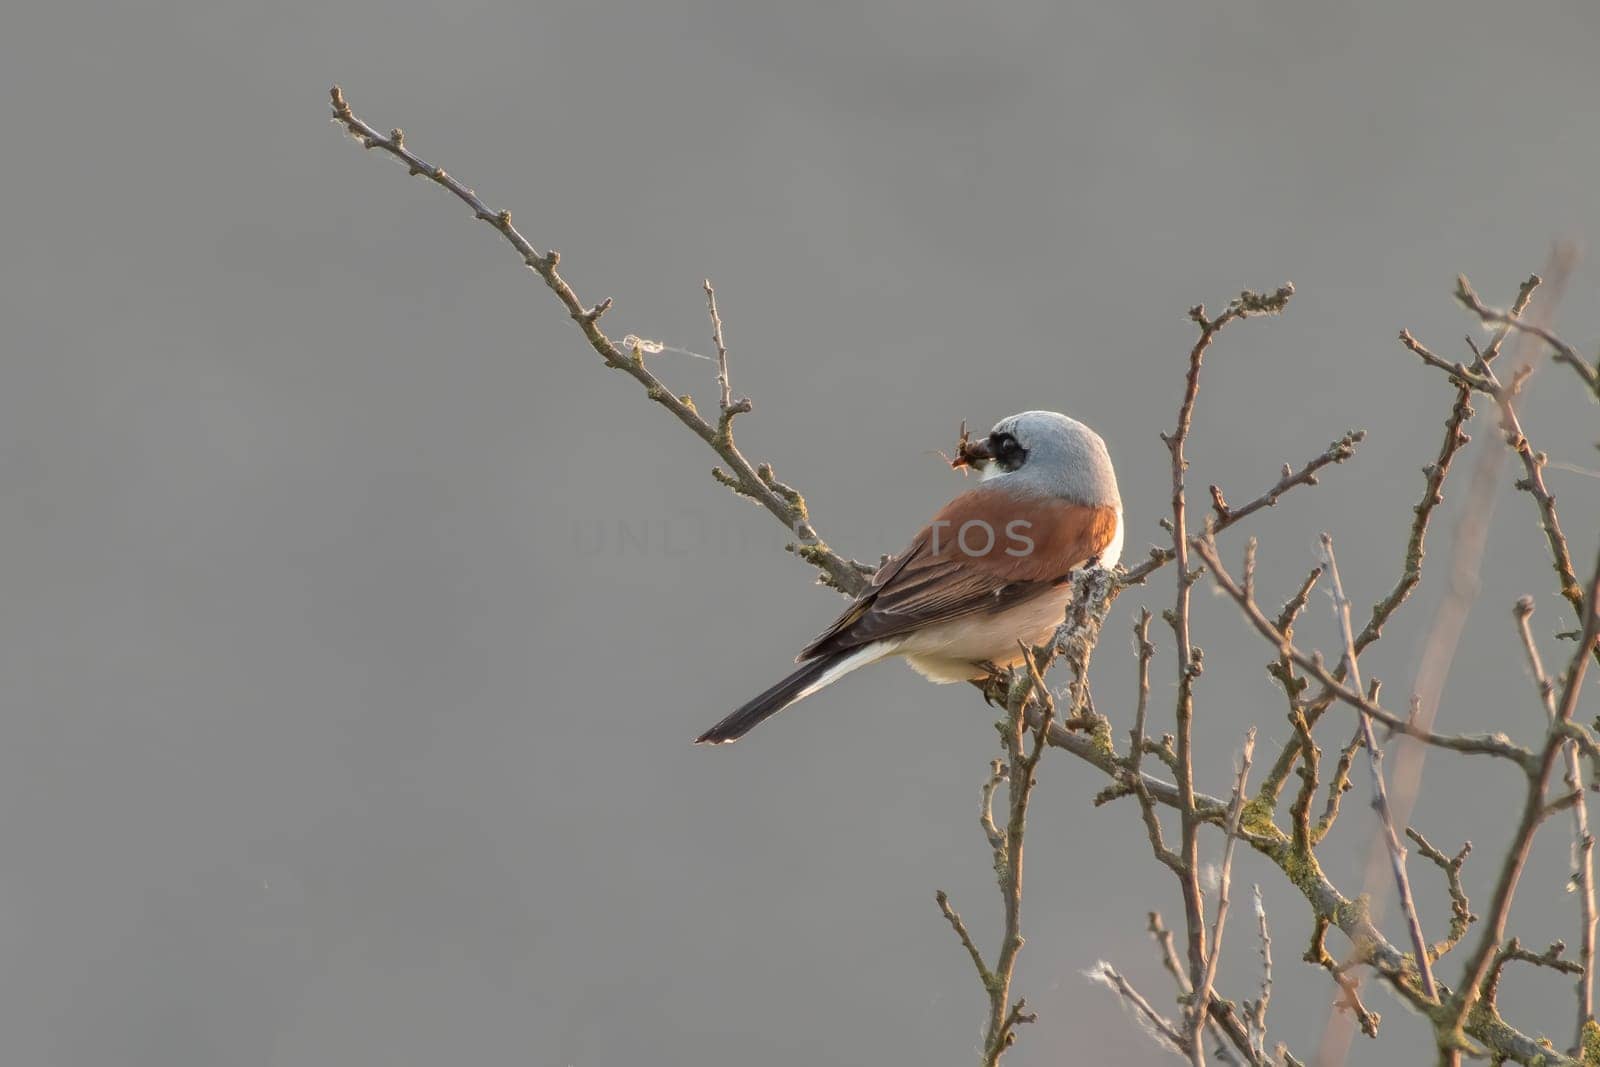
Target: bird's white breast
[953, 651]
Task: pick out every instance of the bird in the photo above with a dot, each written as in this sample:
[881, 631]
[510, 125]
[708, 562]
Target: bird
[990, 572]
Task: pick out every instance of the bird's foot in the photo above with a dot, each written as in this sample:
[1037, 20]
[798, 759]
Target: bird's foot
[995, 683]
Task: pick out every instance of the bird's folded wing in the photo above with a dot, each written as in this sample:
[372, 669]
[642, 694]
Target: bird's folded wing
[1017, 550]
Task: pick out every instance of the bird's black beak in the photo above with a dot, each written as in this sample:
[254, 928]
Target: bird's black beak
[970, 453]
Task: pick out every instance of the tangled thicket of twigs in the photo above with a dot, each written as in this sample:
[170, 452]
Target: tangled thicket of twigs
[1464, 1016]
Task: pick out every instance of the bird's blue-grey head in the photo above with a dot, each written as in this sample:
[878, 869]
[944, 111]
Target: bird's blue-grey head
[1048, 453]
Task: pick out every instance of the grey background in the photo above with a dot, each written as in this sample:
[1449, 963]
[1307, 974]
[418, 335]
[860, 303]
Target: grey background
[355, 620]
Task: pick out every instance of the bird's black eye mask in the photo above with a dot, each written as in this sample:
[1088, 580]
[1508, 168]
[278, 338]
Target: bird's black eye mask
[1000, 447]
[1008, 454]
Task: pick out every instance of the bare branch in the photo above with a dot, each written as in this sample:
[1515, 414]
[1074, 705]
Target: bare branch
[1461, 917]
[756, 483]
[1188, 867]
[1337, 452]
[960, 928]
[1455, 438]
[1483, 744]
[1460, 373]
[1257, 1011]
[1513, 950]
[1349, 989]
[1485, 380]
[1310, 762]
[1282, 669]
[1396, 968]
[1330, 906]
[1468, 548]
[1157, 1025]
[1225, 1025]
[1027, 690]
[1169, 953]
[1534, 811]
[1338, 785]
[995, 835]
[722, 349]
[1147, 807]
[1564, 353]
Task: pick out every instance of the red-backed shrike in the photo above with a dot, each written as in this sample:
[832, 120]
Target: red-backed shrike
[992, 569]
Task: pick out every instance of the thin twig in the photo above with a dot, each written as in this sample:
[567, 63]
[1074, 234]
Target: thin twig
[1310, 765]
[1349, 999]
[1282, 669]
[1226, 1026]
[1512, 950]
[1156, 1024]
[1136, 749]
[1257, 1011]
[1337, 452]
[1338, 786]
[1564, 353]
[722, 349]
[1380, 793]
[1202, 999]
[1582, 840]
[1461, 917]
[960, 928]
[996, 836]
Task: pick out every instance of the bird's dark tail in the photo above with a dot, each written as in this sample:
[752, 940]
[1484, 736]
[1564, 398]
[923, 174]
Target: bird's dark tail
[811, 676]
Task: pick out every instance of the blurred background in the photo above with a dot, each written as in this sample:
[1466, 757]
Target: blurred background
[356, 620]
